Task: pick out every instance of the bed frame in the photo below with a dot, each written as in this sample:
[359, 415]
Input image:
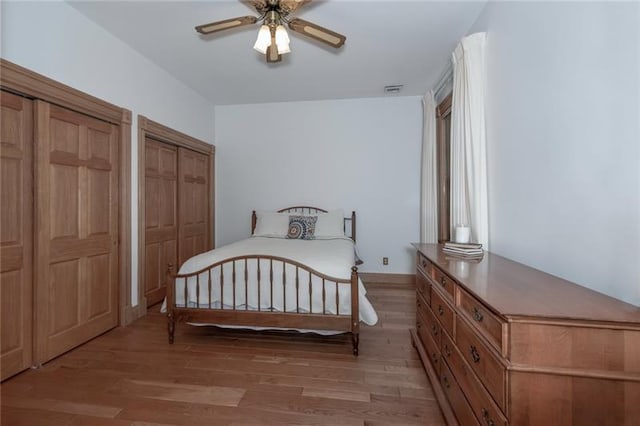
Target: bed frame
[265, 317]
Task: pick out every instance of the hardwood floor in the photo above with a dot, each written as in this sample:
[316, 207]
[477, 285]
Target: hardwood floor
[132, 376]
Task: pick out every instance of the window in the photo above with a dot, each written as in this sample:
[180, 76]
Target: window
[443, 147]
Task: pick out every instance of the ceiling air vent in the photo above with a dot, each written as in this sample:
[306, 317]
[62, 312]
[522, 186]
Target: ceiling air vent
[393, 89]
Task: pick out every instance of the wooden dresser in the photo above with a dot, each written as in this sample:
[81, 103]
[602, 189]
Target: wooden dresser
[503, 343]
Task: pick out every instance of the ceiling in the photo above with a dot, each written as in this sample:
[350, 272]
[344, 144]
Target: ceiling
[388, 43]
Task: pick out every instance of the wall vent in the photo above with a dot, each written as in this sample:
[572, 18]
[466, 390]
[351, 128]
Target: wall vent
[395, 88]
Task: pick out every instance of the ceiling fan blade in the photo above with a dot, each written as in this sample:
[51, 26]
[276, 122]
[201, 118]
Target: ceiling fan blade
[317, 32]
[226, 24]
[289, 6]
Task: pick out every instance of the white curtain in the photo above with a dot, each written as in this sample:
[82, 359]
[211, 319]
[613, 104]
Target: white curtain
[469, 201]
[428, 181]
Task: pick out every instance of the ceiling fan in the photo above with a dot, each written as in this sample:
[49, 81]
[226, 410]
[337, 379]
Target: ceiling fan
[273, 40]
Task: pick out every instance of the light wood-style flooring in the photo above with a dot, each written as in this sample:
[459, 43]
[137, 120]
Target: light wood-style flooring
[132, 376]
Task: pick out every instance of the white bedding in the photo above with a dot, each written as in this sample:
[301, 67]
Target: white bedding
[332, 256]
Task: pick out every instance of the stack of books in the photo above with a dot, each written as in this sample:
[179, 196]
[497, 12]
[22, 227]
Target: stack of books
[466, 250]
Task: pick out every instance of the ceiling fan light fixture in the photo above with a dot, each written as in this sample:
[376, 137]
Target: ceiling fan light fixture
[264, 39]
[282, 40]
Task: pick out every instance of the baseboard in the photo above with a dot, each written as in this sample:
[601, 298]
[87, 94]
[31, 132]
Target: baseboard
[392, 279]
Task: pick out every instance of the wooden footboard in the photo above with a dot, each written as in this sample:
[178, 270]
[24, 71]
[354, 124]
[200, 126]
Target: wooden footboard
[288, 294]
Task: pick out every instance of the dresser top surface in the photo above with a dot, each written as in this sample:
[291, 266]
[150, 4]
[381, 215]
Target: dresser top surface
[517, 290]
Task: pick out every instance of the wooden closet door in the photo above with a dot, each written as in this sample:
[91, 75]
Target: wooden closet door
[161, 221]
[76, 229]
[194, 214]
[16, 234]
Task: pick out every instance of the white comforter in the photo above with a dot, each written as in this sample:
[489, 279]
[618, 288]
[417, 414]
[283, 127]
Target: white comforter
[333, 257]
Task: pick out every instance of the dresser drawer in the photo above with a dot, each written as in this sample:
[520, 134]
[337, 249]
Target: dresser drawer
[431, 347]
[442, 311]
[485, 364]
[489, 324]
[481, 402]
[444, 283]
[423, 264]
[421, 303]
[433, 327]
[459, 404]
[423, 286]
[573, 346]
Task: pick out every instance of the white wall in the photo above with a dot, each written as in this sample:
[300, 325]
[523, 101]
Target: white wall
[55, 40]
[564, 141]
[359, 154]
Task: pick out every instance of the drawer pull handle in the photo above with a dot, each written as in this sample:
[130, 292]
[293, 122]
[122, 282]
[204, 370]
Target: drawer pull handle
[435, 357]
[474, 354]
[443, 281]
[419, 304]
[434, 330]
[418, 325]
[440, 310]
[477, 314]
[447, 352]
[445, 380]
[485, 416]
[424, 263]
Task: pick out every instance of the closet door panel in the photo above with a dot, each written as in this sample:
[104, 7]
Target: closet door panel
[63, 296]
[77, 229]
[161, 226]
[193, 192]
[16, 225]
[151, 269]
[99, 222]
[64, 203]
[97, 295]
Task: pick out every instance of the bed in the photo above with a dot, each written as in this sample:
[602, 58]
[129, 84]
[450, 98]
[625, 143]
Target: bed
[285, 276]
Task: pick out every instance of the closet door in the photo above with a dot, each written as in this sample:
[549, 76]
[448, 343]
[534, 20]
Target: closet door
[195, 199]
[16, 235]
[76, 229]
[161, 221]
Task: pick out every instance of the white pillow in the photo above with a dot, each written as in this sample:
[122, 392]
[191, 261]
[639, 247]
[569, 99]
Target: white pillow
[330, 224]
[271, 224]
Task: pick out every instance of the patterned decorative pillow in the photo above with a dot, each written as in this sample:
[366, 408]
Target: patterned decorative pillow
[302, 227]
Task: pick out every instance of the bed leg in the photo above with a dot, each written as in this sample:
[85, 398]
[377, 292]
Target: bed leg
[171, 326]
[355, 340]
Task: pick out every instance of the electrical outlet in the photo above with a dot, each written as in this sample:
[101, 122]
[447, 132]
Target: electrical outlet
[385, 261]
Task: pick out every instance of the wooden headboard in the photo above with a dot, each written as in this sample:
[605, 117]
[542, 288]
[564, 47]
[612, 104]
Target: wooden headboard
[311, 210]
